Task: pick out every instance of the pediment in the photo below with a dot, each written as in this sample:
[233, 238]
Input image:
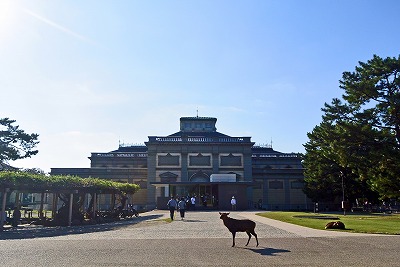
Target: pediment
[168, 177]
[200, 176]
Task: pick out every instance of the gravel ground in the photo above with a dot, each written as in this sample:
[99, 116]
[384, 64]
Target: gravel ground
[150, 225]
[199, 240]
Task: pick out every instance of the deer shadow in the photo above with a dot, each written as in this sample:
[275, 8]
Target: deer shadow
[265, 251]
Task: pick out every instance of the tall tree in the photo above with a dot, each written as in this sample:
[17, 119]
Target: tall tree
[321, 166]
[14, 142]
[372, 96]
[335, 164]
[361, 132]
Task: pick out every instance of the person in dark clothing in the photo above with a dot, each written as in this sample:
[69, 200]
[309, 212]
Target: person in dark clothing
[205, 201]
[172, 205]
[182, 207]
[16, 217]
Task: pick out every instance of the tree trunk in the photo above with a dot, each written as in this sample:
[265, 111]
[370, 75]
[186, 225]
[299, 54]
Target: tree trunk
[16, 204]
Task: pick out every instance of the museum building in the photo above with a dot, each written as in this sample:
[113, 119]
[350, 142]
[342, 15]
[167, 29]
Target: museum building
[202, 162]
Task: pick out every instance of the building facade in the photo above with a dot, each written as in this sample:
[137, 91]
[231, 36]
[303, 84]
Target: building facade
[199, 161]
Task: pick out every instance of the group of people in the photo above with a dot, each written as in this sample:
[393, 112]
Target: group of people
[173, 204]
[181, 205]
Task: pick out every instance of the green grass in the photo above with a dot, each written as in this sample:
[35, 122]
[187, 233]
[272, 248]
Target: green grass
[372, 223]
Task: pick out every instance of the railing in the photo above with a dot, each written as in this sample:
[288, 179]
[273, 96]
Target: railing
[121, 155]
[193, 139]
[266, 155]
[165, 139]
[131, 145]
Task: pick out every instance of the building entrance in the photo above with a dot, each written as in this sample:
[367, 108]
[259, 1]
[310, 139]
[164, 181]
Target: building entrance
[206, 195]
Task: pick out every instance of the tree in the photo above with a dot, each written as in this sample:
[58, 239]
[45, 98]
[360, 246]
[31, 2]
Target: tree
[321, 169]
[372, 96]
[360, 134]
[14, 142]
[334, 165]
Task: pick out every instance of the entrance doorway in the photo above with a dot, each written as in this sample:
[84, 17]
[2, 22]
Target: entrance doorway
[206, 195]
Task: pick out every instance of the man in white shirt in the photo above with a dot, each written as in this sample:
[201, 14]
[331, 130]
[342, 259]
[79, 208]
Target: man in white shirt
[233, 203]
[193, 202]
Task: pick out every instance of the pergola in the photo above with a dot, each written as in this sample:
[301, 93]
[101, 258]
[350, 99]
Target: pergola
[58, 184]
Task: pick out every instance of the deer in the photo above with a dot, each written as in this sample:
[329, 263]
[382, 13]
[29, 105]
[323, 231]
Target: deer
[235, 225]
[335, 225]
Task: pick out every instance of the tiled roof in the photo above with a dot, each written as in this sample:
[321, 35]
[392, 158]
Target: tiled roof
[6, 167]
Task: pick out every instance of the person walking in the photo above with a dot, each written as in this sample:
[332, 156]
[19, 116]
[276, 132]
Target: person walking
[204, 201]
[233, 203]
[172, 205]
[193, 201]
[182, 207]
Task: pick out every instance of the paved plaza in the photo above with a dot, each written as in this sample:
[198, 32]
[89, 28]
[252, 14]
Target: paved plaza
[199, 240]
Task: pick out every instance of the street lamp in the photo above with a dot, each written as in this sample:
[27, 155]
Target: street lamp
[343, 201]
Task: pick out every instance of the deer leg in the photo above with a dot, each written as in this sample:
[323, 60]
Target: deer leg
[233, 238]
[255, 235]
[248, 240]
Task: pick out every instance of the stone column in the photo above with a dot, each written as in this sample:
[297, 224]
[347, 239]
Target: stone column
[71, 198]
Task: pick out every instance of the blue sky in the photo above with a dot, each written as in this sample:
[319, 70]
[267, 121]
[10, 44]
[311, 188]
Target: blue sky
[86, 75]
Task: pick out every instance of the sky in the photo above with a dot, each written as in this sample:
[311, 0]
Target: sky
[89, 75]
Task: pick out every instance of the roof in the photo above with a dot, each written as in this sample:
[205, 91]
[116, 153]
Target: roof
[6, 167]
[199, 134]
[134, 148]
[198, 118]
[264, 150]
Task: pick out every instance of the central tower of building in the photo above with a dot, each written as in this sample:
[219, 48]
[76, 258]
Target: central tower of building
[199, 161]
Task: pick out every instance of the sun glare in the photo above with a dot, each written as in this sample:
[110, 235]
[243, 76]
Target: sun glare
[8, 16]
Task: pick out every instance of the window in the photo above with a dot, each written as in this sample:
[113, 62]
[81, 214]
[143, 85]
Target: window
[200, 160]
[297, 185]
[231, 160]
[168, 160]
[275, 185]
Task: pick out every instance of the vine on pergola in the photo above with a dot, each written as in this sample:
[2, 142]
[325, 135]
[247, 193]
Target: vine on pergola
[16, 180]
[69, 189]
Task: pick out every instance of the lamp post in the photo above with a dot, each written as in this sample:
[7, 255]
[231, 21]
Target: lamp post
[343, 201]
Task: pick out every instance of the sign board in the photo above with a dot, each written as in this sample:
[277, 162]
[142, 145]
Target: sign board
[231, 178]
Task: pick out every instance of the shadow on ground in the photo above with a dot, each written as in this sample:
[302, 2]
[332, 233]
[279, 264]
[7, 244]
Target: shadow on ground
[192, 220]
[267, 251]
[40, 231]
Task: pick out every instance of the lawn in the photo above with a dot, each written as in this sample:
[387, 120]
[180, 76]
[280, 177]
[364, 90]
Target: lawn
[374, 223]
